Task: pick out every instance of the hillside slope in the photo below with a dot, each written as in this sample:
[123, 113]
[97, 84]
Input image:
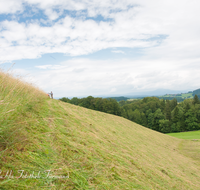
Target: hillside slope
[84, 149]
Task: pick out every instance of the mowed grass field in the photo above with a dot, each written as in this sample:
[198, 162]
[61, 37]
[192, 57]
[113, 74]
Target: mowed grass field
[91, 149]
[191, 145]
[186, 135]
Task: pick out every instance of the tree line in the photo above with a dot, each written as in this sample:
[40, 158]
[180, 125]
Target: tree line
[165, 116]
[107, 105]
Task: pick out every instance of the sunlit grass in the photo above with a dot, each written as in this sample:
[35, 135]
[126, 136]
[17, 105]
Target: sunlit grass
[16, 99]
[186, 135]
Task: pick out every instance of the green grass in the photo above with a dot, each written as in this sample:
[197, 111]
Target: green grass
[96, 150]
[184, 95]
[186, 135]
[190, 146]
[187, 95]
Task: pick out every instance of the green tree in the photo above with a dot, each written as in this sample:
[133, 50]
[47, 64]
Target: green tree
[122, 102]
[158, 115]
[173, 103]
[137, 116]
[116, 107]
[177, 120]
[197, 112]
[124, 113]
[162, 105]
[168, 110]
[74, 101]
[150, 120]
[176, 127]
[175, 115]
[164, 126]
[88, 102]
[130, 114]
[191, 120]
[195, 100]
[64, 99]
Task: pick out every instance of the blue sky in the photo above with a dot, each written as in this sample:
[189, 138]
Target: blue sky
[109, 47]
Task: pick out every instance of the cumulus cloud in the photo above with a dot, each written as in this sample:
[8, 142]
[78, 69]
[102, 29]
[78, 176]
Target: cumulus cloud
[132, 24]
[83, 77]
[11, 6]
[166, 31]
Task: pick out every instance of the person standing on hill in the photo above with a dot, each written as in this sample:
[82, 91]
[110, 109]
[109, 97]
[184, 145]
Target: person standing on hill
[51, 94]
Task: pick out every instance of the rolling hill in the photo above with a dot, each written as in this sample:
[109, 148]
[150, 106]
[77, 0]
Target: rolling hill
[49, 144]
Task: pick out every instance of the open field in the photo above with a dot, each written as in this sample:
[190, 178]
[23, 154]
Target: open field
[186, 135]
[183, 95]
[179, 97]
[186, 95]
[191, 146]
[90, 149]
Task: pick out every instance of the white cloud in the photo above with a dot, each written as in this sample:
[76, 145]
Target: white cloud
[130, 27]
[44, 66]
[83, 77]
[167, 31]
[10, 6]
[118, 51]
[69, 35]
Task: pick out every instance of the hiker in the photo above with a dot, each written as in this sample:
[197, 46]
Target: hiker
[51, 94]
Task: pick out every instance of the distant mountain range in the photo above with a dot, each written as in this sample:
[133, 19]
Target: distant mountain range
[158, 92]
[161, 94]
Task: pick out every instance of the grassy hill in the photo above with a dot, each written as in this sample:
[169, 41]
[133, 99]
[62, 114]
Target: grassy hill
[84, 149]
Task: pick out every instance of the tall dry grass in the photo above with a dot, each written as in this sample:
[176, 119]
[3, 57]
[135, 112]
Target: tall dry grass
[16, 98]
